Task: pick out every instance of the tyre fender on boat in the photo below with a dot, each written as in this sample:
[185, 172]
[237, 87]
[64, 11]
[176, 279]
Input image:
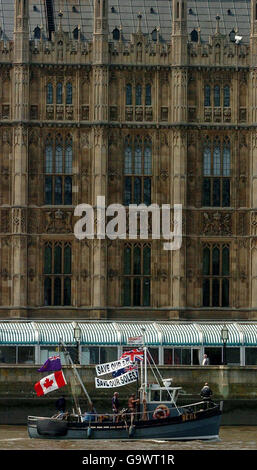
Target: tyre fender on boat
[52, 427]
[161, 412]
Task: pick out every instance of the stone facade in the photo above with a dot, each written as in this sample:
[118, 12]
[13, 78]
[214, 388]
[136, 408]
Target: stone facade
[200, 119]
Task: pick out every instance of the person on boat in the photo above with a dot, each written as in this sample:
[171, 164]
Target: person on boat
[61, 404]
[89, 416]
[132, 405]
[206, 394]
[115, 405]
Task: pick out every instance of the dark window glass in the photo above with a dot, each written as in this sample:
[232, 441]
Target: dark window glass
[216, 192]
[137, 191]
[49, 94]
[57, 260]
[138, 95]
[137, 260]
[148, 95]
[58, 190]
[127, 292]
[67, 260]
[47, 291]
[225, 261]
[206, 192]
[147, 191]
[226, 96]
[146, 292]
[147, 260]
[207, 95]
[206, 261]
[129, 95]
[57, 291]
[128, 191]
[217, 96]
[225, 292]
[68, 190]
[116, 34]
[127, 260]
[67, 291]
[206, 293]
[215, 293]
[59, 93]
[69, 93]
[194, 38]
[48, 190]
[136, 292]
[215, 261]
[226, 193]
[48, 260]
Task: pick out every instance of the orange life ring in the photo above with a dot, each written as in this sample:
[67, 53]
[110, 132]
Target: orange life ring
[161, 412]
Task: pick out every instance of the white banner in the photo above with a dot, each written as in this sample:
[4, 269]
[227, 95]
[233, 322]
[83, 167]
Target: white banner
[135, 340]
[109, 367]
[123, 379]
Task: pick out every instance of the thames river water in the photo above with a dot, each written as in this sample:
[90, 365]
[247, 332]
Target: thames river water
[231, 438]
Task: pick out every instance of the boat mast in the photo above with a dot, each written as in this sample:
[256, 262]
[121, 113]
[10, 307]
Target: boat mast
[67, 354]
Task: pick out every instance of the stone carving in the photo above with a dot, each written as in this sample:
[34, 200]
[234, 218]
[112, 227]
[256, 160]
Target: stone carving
[58, 221]
[217, 223]
[19, 220]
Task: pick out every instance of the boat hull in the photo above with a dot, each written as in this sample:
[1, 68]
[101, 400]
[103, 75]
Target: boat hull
[203, 427]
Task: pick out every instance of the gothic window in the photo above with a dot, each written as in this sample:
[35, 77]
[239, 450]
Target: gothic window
[137, 171]
[148, 95]
[216, 172]
[69, 93]
[59, 93]
[207, 95]
[216, 96]
[76, 33]
[194, 35]
[226, 96]
[154, 35]
[58, 171]
[137, 274]
[138, 95]
[129, 94]
[37, 33]
[57, 273]
[49, 94]
[116, 34]
[216, 273]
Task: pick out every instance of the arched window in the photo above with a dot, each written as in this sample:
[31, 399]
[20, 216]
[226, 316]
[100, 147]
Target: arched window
[57, 272]
[226, 96]
[68, 159]
[59, 93]
[207, 161]
[138, 157]
[194, 35]
[216, 272]
[49, 159]
[226, 158]
[137, 274]
[116, 34]
[138, 95]
[76, 33]
[69, 93]
[148, 95]
[128, 160]
[49, 94]
[129, 94]
[217, 96]
[154, 35]
[58, 159]
[216, 158]
[207, 95]
[148, 160]
[37, 33]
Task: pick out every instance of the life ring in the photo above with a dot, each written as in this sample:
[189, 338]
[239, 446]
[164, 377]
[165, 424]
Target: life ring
[161, 412]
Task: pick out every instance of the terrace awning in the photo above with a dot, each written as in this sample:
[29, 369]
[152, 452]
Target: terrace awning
[14, 333]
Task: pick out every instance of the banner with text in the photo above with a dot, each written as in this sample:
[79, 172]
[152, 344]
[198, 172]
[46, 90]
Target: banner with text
[109, 367]
[124, 379]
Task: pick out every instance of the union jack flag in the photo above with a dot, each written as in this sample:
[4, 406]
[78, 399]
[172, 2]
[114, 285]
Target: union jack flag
[133, 355]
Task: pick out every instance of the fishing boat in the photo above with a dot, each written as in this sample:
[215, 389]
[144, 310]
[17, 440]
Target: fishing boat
[158, 415]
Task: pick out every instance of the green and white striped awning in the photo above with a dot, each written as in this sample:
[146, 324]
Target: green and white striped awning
[14, 333]
[179, 334]
[128, 330]
[212, 334]
[117, 333]
[249, 333]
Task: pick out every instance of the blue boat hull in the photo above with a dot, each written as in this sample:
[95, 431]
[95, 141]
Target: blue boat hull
[203, 425]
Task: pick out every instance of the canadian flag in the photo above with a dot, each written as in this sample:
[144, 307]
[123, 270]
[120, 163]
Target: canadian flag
[50, 383]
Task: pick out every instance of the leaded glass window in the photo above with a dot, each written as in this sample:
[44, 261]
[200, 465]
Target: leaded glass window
[58, 165]
[49, 94]
[216, 275]
[69, 93]
[226, 96]
[138, 95]
[217, 96]
[216, 172]
[137, 274]
[207, 95]
[59, 93]
[137, 170]
[148, 95]
[57, 273]
[129, 94]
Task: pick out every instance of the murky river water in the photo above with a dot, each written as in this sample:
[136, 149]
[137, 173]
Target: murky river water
[231, 438]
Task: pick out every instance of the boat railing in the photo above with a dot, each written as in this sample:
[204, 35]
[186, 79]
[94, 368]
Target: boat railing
[199, 406]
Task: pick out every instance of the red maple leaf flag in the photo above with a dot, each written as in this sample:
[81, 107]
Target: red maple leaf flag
[50, 383]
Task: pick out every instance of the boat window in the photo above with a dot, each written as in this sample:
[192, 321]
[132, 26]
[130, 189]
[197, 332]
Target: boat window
[166, 396]
[155, 395]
